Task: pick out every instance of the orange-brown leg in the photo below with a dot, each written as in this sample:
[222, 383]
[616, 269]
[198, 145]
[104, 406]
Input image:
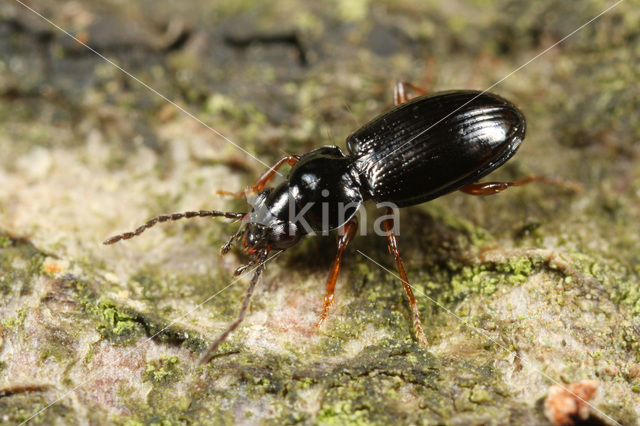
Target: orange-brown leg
[392, 241]
[490, 188]
[400, 94]
[264, 179]
[346, 234]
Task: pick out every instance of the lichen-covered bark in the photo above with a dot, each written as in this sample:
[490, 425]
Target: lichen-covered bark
[533, 287]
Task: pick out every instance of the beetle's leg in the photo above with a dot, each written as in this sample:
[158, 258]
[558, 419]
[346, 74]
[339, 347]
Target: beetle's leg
[264, 179]
[490, 188]
[392, 241]
[227, 246]
[345, 235]
[400, 94]
[260, 259]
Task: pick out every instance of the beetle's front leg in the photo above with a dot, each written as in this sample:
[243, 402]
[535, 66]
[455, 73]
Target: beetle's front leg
[490, 188]
[264, 179]
[344, 238]
[392, 241]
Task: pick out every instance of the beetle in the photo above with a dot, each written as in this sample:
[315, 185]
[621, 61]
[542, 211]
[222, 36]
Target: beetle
[426, 146]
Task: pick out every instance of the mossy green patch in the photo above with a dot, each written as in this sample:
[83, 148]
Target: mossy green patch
[484, 278]
[124, 325]
[163, 371]
[613, 276]
[5, 242]
[118, 325]
[480, 395]
[16, 321]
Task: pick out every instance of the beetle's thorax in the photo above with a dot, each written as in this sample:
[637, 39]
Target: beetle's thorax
[320, 194]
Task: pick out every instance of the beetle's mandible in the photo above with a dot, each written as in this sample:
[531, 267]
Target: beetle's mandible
[421, 149]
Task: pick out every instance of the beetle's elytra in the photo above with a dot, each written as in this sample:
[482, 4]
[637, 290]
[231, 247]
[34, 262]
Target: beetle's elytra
[469, 135]
[423, 148]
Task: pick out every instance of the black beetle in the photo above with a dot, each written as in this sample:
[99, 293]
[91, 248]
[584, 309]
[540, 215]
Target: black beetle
[421, 149]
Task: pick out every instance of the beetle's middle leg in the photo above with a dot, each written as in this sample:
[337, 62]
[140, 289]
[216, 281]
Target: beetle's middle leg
[490, 188]
[392, 241]
[346, 234]
[264, 179]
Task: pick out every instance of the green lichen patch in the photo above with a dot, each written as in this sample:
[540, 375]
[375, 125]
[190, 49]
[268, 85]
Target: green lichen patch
[116, 322]
[118, 325]
[16, 321]
[123, 325]
[613, 276]
[456, 279]
[162, 371]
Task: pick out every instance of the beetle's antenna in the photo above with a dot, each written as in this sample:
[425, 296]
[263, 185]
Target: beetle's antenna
[170, 217]
[245, 303]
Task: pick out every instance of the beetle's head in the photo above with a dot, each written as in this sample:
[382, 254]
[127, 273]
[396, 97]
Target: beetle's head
[279, 236]
[266, 225]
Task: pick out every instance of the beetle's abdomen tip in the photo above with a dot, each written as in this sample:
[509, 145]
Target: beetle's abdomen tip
[490, 129]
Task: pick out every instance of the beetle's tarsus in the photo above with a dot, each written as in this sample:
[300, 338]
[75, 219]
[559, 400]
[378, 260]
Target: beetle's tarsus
[392, 241]
[490, 188]
[227, 246]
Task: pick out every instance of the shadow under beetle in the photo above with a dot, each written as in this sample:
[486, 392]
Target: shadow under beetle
[423, 148]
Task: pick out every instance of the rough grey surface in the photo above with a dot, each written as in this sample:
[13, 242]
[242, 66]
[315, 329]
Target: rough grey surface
[519, 291]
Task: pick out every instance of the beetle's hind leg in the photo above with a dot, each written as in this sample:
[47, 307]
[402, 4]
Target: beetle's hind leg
[264, 179]
[392, 241]
[346, 234]
[401, 94]
[490, 188]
